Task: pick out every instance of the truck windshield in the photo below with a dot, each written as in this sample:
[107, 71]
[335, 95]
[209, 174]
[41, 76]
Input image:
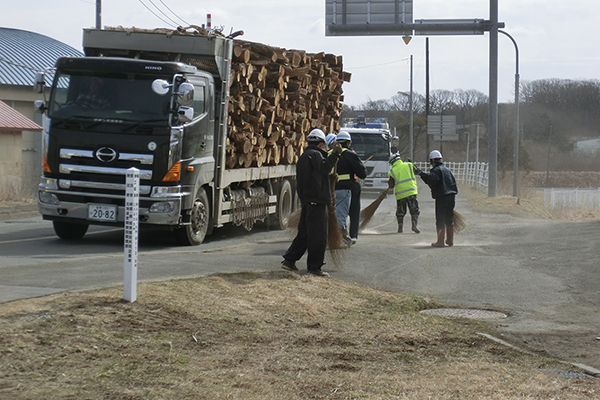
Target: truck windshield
[114, 97]
[372, 145]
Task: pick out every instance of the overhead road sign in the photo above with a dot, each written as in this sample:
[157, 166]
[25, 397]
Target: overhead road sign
[364, 17]
[392, 17]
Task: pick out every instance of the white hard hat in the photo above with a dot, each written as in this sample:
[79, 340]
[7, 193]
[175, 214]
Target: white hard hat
[316, 135]
[329, 139]
[343, 136]
[435, 154]
[395, 157]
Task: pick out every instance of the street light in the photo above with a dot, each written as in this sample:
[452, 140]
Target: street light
[516, 122]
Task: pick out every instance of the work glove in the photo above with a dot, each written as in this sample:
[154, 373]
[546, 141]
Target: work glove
[416, 170]
[337, 148]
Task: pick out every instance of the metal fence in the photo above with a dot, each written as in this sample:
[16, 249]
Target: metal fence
[571, 198]
[471, 173]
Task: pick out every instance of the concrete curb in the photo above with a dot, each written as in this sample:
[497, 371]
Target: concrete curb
[586, 368]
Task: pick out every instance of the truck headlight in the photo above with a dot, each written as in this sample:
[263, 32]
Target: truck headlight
[48, 198]
[163, 207]
[48, 183]
[166, 191]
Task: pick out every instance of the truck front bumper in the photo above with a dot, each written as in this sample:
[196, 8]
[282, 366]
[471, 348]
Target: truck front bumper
[79, 211]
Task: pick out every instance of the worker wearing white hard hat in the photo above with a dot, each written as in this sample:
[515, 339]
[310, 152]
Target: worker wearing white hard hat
[313, 189]
[443, 189]
[349, 169]
[403, 181]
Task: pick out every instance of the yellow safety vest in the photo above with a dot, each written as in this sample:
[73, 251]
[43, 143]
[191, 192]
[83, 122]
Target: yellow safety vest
[404, 177]
[334, 167]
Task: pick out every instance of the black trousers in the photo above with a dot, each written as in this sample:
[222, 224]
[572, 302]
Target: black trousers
[444, 211]
[354, 212]
[312, 236]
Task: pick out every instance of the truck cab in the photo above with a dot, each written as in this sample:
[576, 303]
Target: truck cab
[372, 143]
[106, 115]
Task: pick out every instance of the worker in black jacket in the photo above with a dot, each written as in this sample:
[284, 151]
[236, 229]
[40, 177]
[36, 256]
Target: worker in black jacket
[443, 189]
[312, 179]
[349, 169]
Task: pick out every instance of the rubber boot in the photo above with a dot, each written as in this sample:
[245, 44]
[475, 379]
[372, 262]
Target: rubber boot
[450, 235]
[440, 238]
[400, 225]
[414, 226]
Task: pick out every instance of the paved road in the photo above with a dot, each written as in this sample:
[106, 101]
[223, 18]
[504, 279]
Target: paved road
[542, 274]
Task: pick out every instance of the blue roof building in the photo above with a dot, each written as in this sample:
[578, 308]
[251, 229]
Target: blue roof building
[22, 55]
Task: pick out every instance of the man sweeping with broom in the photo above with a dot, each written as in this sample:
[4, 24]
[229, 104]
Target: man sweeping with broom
[443, 189]
[404, 183]
[314, 190]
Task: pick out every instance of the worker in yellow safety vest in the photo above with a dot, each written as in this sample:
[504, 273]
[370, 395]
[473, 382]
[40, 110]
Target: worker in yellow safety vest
[402, 179]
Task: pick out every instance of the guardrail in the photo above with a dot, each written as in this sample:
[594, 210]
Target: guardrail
[472, 173]
[571, 198]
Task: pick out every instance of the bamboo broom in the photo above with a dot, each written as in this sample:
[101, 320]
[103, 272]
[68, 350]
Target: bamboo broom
[366, 214]
[460, 224]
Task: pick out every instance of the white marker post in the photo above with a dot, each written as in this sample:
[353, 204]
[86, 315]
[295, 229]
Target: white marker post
[132, 201]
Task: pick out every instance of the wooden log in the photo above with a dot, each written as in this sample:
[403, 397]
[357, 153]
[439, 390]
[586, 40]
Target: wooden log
[240, 53]
[289, 154]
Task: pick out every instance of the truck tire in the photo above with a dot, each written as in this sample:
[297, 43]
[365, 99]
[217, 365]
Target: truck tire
[69, 230]
[285, 206]
[194, 233]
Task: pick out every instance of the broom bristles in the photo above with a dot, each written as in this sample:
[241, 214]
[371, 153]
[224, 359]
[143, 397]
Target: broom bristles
[460, 224]
[335, 238]
[294, 218]
[366, 214]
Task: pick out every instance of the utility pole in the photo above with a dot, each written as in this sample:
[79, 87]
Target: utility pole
[410, 114]
[493, 111]
[427, 94]
[98, 14]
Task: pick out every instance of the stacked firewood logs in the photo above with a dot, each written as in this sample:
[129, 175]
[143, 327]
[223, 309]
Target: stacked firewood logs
[277, 97]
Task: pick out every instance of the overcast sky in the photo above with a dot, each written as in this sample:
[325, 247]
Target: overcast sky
[556, 38]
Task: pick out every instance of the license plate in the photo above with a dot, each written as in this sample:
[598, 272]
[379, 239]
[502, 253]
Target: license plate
[102, 213]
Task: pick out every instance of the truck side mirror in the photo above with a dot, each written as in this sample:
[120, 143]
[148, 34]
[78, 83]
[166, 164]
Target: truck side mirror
[186, 114]
[40, 82]
[40, 105]
[186, 94]
[160, 86]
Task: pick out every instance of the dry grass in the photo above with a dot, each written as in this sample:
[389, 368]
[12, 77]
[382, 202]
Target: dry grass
[530, 203]
[259, 336]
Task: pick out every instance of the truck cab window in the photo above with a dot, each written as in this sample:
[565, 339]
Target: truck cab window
[113, 97]
[199, 103]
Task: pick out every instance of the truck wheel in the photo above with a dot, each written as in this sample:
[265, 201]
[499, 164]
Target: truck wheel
[69, 230]
[285, 205]
[195, 232]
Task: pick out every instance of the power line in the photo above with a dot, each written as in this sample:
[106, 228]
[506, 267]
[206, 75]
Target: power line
[163, 13]
[379, 65]
[187, 23]
[156, 15]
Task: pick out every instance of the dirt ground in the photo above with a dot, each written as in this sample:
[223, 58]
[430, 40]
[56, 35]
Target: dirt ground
[562, 244]
[281, 335]
[270, 335]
